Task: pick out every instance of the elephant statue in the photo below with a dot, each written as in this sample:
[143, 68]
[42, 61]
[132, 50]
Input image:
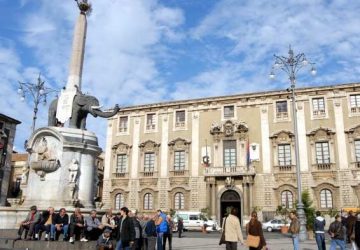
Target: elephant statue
[82, 106]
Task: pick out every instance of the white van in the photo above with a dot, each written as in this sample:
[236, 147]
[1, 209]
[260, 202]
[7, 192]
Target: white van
[193, 221]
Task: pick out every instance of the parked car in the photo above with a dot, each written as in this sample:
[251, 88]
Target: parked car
[274, 224]
[193, 220]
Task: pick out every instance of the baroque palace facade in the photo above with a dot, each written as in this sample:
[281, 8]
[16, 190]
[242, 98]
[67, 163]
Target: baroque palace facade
[235, 151]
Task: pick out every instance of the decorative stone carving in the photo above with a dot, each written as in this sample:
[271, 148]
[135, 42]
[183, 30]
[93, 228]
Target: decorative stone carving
[121, 148]
[73, 171]
[44, 160]
[229, 182]
[179, 144]
[149, 146]
[25, 174]
[282, 136]
[353, 133]
[321, 134]
[229, 129]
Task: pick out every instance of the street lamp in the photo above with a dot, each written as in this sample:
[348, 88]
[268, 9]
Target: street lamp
[291, 65]
[37, 91]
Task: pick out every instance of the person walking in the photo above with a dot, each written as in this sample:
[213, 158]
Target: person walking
[169, 233]
[294, 229]
[337, 234]
[355, 237]
[254, 228]
[180, 226]
[232, 230]
[161, 228]
[319, 225]
[150, 231]
[126, 231]
[350, 223]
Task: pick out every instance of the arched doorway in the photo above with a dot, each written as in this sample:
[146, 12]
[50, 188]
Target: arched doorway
[229, 198]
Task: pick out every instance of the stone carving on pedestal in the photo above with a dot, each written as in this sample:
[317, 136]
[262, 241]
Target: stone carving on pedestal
[44, 160]
[74, 170]
[25, 174]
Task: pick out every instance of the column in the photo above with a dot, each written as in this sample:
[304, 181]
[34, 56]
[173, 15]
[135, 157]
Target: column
[164, 146]
[340, 135]
[246, 199]
[107, 162]
[303, 150]
[135, 149]
[195, 157]
[213, 200]
[265, 134]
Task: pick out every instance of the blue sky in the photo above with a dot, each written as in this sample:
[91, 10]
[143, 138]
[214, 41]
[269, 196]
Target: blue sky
[145, 51]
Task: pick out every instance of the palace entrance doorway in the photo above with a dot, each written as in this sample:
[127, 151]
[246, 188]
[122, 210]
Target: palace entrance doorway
[229, 199]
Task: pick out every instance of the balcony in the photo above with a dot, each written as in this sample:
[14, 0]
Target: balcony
[282, 115]
[150, 127]
[180, 124]
[229, 171]
[123, 129]
[183, 172]
[285, 168]
[323, 167]
[120, 175]
[355, 110]
[319, 113]
[148, 174]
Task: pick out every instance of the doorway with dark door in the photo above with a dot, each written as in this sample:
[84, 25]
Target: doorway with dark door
[228, 200]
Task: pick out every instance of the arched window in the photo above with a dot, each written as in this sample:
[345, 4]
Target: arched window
[326, 198]
[287, 199]
[119, 201]
[148, 201]
[179, 201]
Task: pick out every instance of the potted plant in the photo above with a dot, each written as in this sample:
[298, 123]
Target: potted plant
[284, 213]
[309, 213]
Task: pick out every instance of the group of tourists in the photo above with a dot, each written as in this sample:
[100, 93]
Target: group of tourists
[345, 229]
[128, 229]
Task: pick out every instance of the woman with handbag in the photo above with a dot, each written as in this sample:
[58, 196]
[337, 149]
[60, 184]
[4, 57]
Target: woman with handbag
[232, 231]
[255, 237]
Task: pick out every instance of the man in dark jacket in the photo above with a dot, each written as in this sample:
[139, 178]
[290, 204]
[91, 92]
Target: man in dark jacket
[350, 223]
[126, 231]
[337, 234]
[104, 241]
[77, 225]
[319, 225]
[60, 224]
[45, 223]
[150, 231]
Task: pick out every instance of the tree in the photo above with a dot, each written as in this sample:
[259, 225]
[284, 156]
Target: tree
[308, 209]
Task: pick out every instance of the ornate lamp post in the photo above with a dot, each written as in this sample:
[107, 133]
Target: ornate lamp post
[38, 92]
[291, 65]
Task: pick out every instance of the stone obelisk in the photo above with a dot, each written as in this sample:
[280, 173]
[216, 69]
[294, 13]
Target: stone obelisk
[62, 160]
[73, 85]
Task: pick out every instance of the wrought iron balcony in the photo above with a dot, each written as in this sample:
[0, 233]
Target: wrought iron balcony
[229, 171]
[148, 174]
[323, 167]
[282, 115]
[319, 113]
[355, 110]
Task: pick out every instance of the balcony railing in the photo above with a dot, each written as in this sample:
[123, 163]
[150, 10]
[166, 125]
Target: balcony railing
[229, 171]
[323, 167]
[282, 115]
[182, 172]
[319, 113]
[149, 174]
[150, 127]
[285, 168]
[122, 129]
[179, 124]
[120, 175]
[355, 110]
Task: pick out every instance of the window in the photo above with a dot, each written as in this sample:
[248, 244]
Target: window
[229, 153]
[123, 124]
[281, 109]
[180, 118]
[322, 152]
[284, 154]
[148, 201]
[179, 160]
[150, 121]
[229, 112]
[357, 150]
[149, 162]
[119, 201]
[121, 163]
[355, 101]
[179, 201]
[318, 106]
[1, 125]
[287, 199]
[326, 199]
[193, 217]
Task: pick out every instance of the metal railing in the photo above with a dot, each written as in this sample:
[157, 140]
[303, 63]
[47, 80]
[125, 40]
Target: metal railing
[228, 171]
[282, 115]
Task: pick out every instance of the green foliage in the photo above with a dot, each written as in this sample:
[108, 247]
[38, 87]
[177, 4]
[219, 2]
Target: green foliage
[283, 212]
[257, 209]
[172, 212]
[308, 209]
[332, 212]
[204, 213]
